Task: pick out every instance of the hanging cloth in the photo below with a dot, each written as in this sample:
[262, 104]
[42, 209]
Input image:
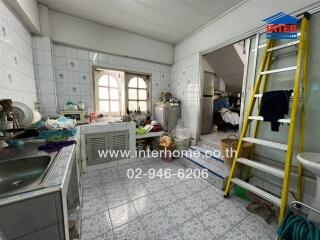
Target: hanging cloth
[274, 106]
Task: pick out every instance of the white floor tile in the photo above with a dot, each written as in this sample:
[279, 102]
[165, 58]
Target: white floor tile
[195, 204]
[117, 208]
[145, 205]
[178, 213]
[215, 223]
[156, 224]
[94, 206]
[122, 215]
[95, 226]
[194, 230]
[132, 230]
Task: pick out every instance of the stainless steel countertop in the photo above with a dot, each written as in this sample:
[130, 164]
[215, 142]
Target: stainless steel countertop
[55, 176]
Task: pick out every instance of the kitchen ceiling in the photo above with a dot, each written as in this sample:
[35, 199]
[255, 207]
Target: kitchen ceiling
[165, 20]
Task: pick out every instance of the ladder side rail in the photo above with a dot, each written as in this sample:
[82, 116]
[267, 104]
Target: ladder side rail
[302, 113]
[246, 120]
[291, 135]
[256, 127]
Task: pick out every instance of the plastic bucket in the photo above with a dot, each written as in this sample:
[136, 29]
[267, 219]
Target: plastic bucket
[181, 144]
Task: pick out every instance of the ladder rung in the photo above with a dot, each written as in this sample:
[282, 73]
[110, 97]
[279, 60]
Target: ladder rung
[279, 70]
[259, 95]
[265, 168]
[283, 46]
[267, 196]
[260, 118]
[266, 143]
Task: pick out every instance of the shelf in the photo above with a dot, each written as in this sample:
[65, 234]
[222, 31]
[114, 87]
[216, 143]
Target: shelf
[150, 135]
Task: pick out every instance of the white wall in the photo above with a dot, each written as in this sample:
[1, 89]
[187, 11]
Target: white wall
[17, 79]
[44, 72]
[185, 86]
[28, 13]
[233, 25]
[247, 18]
[227, 64]
[74, 82]
[242, 20]
[207, 66]
[89, 35]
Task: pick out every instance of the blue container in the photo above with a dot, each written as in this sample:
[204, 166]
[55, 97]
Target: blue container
[62, 133]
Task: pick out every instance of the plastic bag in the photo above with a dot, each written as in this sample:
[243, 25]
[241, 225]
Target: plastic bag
[181, 132]
[60, 123]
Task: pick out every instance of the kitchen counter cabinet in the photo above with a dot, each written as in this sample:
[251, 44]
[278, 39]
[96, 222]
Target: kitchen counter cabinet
[44, 213]
[105, 133]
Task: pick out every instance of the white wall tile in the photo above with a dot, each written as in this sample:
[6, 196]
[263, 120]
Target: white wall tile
[185, 88]
[73, 77]
[61, 75]
[72, 64]
[71, 52]
[80, 77]
[16, 60]
[44, 57]
[85, 90]
[43, 43]
[83, 65]
[59, 51]
[43, 63]
[74, 89]
[83, 54]
[84, 78]
[47, 87]
[45, 72]
[61, 63]
[62, 89]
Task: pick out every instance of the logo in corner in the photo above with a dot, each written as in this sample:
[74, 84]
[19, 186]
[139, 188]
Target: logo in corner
[281, 26]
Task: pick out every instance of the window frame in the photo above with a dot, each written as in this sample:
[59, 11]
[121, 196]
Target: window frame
[98, 75]
[147, 79]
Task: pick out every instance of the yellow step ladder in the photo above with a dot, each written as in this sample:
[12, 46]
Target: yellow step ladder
[262, 78]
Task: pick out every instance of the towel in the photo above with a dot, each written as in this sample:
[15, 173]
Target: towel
[54, 147]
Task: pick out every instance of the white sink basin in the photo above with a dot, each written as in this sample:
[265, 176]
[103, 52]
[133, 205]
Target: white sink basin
[311, 161]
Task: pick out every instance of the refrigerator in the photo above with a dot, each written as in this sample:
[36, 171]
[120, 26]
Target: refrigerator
[207, 102]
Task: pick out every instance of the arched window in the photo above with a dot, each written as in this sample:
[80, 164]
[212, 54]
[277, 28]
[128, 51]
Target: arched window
[108, 95]
[137, 94]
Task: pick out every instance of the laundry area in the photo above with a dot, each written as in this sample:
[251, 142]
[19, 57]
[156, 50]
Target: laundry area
[159, 120]
[222, 89]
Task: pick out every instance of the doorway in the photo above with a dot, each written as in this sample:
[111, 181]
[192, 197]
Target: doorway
[222, 92]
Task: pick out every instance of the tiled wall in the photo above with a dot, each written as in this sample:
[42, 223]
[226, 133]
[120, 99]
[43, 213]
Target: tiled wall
[73, 73]
[44, 72]
[185, 86]
[17, 80]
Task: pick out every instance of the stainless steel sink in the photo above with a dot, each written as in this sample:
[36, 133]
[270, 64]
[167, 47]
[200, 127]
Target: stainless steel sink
[23, 168]
[19, 173]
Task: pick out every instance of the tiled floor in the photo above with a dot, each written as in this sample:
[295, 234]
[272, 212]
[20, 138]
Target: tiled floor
[215, 137]
[118, 208]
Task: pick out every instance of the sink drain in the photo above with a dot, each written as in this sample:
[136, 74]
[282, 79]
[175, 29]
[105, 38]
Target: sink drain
[16, 183]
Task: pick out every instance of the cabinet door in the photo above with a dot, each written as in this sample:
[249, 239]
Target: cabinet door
[96, 143]
[118, 142]
[49, 233]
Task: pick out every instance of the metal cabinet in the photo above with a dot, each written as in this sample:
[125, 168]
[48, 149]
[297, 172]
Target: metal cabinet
[167, 115]
[49, 233]
[25, 219]
[103, 147]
